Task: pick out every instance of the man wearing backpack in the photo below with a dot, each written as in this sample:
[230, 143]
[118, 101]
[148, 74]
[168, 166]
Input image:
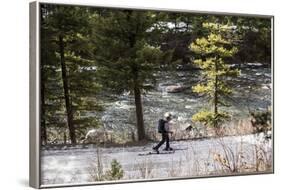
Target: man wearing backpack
[164, 129]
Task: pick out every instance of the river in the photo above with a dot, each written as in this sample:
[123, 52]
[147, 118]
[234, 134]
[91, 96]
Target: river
[251, 91]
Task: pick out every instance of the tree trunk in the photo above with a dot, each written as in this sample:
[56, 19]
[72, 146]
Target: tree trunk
[43, 114]
[43, 130]
[137, 90]
[216, 97]
[68, 105]
[139, 113]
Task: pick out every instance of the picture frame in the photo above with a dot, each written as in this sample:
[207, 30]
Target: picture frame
[44, 156]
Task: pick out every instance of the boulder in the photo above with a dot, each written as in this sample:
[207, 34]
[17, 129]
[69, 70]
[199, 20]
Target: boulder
[174, 88]
[98, 136]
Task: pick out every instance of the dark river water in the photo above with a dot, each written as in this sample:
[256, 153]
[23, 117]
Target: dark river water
[251, 91]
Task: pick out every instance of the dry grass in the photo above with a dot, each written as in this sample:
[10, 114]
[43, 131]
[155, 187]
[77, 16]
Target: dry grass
[198, 131]
[263, 160]
[96, 171]
[175, 168]
[145, 169]
[242, 160]
[225, 158]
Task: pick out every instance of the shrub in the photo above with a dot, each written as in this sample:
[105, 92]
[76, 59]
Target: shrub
[116, 172]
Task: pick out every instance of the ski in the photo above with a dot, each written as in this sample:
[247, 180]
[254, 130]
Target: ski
[160, 152]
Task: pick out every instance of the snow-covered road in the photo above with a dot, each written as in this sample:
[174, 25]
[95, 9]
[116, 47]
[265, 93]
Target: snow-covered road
[192, 158]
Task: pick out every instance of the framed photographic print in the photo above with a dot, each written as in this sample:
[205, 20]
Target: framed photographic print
[133, 94]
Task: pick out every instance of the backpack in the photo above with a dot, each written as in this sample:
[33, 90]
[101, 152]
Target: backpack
[161, 126]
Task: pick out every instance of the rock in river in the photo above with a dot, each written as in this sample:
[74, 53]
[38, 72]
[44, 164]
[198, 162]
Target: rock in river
[174, 88]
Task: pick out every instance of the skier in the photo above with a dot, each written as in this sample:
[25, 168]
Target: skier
[164, 126]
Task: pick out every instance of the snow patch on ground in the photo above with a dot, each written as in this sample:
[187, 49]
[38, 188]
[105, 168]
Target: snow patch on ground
[191, 158]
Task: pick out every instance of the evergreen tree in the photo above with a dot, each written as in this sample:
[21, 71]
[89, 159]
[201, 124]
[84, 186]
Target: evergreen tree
[51, 100]
[125, 57]
[175, 31]
[120, 48]
[255, 39]
[66, 37]
[213, 51]
[116, 172]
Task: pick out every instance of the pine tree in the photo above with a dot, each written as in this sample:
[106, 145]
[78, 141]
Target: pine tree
[66, 37]
[124, 56]
[116, 172]
[214, 50]
[255, 39]
[51, 92]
